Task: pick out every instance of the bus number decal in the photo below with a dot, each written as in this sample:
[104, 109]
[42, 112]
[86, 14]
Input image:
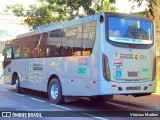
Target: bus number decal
[82, 70]
[145, 69]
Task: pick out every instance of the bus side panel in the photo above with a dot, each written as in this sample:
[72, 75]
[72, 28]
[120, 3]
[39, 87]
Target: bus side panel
[20, 66]
[80, 71]
[7, 76]
[41, 69]
[103, 85]
[92, 82]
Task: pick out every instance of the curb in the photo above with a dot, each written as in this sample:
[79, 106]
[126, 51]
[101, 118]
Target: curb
[158, 94]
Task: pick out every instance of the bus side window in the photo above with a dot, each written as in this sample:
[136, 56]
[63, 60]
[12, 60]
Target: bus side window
[16, 52]
[55, 51]
[26, 47]
[16, 49]
[77, 40]
[55, 43]
[73, 41]
[89, 31]
[39, 45]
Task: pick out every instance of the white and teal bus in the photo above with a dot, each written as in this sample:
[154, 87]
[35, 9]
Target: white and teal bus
[96, 56]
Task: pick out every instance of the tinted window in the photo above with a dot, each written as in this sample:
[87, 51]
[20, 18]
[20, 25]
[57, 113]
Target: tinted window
[129, 30]
[26, 50]
[55, 43]
[57, 33]
[17, 49]
[39, 45]
[76, 40]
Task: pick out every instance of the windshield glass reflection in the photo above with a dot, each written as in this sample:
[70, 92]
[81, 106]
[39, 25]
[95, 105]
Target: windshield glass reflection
[129, 30]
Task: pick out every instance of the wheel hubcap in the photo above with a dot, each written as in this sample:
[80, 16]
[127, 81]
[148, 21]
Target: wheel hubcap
[54, 91]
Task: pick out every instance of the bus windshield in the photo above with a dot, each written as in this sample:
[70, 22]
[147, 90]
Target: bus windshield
[128, 30]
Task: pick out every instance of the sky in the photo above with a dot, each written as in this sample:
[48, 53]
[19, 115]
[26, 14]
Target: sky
[4, 3]
[125, 6]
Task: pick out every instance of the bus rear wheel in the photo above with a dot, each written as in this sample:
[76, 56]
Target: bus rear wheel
[55, 91]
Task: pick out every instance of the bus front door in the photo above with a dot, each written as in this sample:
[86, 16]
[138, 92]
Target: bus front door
[7, 52]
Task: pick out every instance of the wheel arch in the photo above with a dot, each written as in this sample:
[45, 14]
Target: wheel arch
[50, 78]
[13, 76]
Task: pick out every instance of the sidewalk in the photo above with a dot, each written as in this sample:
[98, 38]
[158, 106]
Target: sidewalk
[150, 100]
[1, 81]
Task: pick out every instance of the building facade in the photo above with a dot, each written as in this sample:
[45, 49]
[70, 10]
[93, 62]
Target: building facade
[10, 26]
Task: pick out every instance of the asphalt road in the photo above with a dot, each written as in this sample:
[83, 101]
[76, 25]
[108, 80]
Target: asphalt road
[33, 101]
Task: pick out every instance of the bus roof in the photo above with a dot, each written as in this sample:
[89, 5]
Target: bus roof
[59, 25]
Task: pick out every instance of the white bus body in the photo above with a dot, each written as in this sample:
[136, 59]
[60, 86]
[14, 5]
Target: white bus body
[95, 56]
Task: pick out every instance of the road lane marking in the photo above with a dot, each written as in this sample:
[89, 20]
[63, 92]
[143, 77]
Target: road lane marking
[61, 107]
[4, 90]
[37, 99]
[18, 94]
[95, 116]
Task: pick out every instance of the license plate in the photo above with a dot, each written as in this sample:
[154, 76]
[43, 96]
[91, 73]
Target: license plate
[132, 74]
[133, 88]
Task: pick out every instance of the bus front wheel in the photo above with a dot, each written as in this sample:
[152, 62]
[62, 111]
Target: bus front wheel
[55, 91]
[17, 81]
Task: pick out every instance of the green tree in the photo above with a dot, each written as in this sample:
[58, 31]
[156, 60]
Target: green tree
[34, 16]
[154, 13]
[58, 10]
[37, 16]
[70, 9]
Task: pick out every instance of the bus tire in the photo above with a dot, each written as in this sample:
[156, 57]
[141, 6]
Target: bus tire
[97, 99]
[55, 91]
[17, 81]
